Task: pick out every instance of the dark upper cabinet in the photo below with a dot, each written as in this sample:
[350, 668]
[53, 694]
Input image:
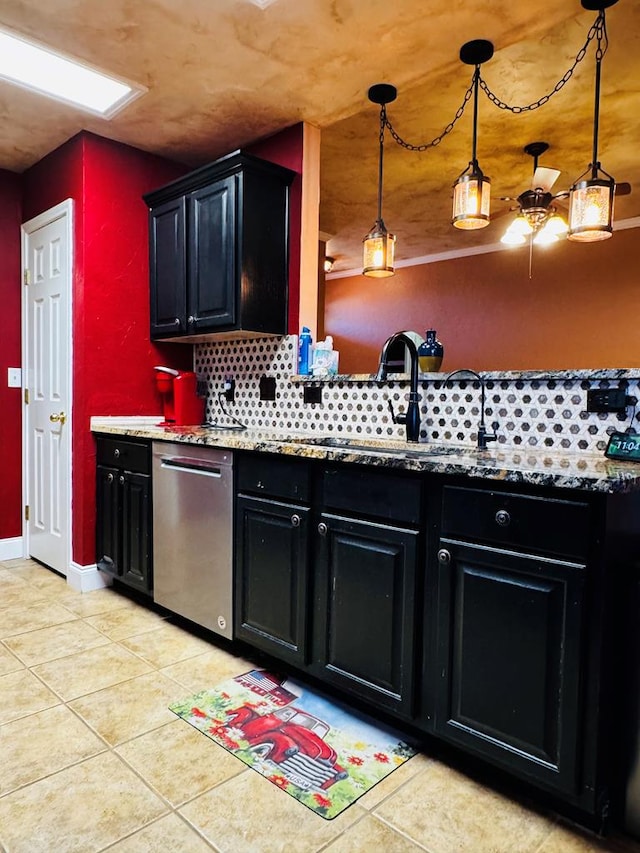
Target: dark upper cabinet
[123, 512]
[219, 251]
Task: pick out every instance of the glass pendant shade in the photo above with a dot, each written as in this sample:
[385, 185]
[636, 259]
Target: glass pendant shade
[591, 210]
[379, 249]
[471, 201]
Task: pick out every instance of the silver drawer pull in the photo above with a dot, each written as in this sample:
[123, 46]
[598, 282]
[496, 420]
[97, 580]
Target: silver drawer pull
[323, 529]
[109, 478]
[444, 557]
[295, 520]
[503, 518]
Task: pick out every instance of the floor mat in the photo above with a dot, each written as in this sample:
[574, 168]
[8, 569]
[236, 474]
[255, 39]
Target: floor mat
[315, 749]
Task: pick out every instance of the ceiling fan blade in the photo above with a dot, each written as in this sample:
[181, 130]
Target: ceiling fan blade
[544, 178]
[623, 188]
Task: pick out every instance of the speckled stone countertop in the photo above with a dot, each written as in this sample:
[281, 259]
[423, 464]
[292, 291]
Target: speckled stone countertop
[610, 373]
[583, 471]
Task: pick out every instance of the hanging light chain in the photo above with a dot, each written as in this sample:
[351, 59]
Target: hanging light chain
[597, 29]
[438, 139]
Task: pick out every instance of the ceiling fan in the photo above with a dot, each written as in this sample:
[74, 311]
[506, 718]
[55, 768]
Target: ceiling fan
[538, 216]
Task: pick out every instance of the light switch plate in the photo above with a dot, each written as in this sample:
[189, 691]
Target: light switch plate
[14, 377]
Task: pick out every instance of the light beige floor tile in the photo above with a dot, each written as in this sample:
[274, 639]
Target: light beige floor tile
[97, 601]
[169, 834]
[8, 661]
[18, 593]
[126, 622]
[457, 814]
[169, 644]
[395, 780]
[42, 578]
[20, 619]
[180, 762]
[574, 840]
[86, 672]
[83, 808]
[55, 642]
[368, 835]
[207, 670]
[23, 694]
[126, 710]
[249, 814]
[43, 743]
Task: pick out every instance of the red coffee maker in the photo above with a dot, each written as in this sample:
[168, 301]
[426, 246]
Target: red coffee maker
[181, 404]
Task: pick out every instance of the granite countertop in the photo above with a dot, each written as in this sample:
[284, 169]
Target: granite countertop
[590, 472]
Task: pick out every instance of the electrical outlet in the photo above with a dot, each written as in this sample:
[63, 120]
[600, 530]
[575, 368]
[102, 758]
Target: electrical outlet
[312, 393]
[267, 388]
[229, 389]
[607, 400]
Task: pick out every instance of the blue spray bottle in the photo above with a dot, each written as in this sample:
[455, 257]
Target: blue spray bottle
[304, 352]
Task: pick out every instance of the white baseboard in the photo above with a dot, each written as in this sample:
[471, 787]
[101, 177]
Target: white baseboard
[11, 549]
[87, 578]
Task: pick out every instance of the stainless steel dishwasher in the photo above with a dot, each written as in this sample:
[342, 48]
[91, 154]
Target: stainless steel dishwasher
[193, 533]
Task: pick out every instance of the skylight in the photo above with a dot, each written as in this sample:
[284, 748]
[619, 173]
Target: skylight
[49, 73]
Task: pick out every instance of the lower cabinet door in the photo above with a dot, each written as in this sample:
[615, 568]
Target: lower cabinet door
[509, 656]
[272, 567]
[365, 610]
[136, 533]
[107, 520]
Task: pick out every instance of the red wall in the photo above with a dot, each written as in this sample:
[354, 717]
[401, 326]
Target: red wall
[286, 149]
[579, 309]
[10, 356]
[113, 357]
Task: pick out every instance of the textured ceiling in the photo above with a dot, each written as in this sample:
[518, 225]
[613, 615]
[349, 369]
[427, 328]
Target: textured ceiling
[222, 74]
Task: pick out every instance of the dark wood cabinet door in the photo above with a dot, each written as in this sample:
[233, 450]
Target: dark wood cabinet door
[136, 533]
[107, 520]
[212, 301]
[272, 567]
[365, 610]
[168, 269]
[509, 656]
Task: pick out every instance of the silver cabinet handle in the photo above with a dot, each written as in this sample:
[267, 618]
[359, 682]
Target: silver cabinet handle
[109, 478]
[444, 557]
[323, 529]
[295, 520]
[121, 480]
[176, 321]
[503, 518]
[191, 319]
[116, 453]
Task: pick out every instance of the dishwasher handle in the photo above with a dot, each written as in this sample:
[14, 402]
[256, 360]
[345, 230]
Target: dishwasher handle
[189, 465]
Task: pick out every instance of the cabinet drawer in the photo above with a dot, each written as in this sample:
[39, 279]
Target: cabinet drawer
[522, 522]
[276, 477]
[372, 493]
[132, 455]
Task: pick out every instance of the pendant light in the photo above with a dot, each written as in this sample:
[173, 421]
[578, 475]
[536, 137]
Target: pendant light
[591, 198]
[379, 244]
[472, 190]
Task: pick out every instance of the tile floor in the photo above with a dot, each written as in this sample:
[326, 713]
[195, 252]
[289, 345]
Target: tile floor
[91, 758]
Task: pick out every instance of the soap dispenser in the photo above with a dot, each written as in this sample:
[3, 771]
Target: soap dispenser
[304, 352]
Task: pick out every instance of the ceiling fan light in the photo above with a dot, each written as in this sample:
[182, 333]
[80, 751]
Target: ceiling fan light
[512, 238]
[471, 201]
[379, 250]
[545, 237]
[556, 225]
[521, 226]
[591, 210]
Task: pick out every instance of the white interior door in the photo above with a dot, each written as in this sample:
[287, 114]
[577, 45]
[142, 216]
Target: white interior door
[47, 261]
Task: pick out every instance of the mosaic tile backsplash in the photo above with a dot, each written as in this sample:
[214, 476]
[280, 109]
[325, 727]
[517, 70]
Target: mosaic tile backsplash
[531, 409]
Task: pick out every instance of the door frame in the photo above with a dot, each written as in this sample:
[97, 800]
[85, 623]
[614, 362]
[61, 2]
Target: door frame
[63, 210]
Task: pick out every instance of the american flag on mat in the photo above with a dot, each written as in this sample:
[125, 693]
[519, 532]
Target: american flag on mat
[266, 684]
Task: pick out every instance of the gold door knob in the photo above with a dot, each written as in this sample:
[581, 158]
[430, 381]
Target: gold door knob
[58, 417]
